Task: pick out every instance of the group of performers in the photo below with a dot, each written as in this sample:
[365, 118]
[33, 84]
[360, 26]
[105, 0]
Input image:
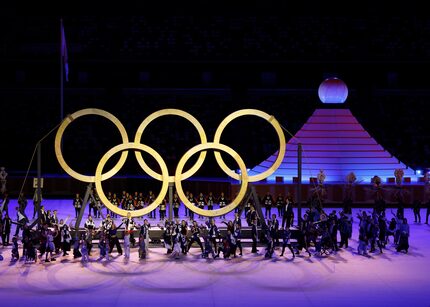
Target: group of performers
[137, 201]
[316, 230]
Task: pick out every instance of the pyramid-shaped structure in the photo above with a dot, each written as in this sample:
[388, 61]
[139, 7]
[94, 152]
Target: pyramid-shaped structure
[334, 141]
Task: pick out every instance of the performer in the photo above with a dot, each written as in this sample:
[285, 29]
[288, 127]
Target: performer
[106, 224]
[286, 241]
[195, 235]
[273, 229]
[280, 204]
[176, 249]
[213, 234]
[129, 226]
[3, 176]
[176, 204]
[77, 203]
[144, 233]
[404, 237]
[222, 202]
[237, 220]
[210, 201]
[248, 206]
[238, 236]
[142, 247]
[268, 202]
[428, 211]
[21, 220]
[163, 207]
[208, 246]
[345, 227]
[104, 247]
[98, 205]
[417, 211]
[201, 202]
[89, 223]
[184, 233]
[66, 238]
[288, 215]
[113, 239]
[54, 218]
[35, 201]
[115, 201]
[5, 203]
[84, 249]
[149, 200]
[15, 251]
[270, 248]
[251, 216]
[50, 247]
[22, 202]
[7, 223]
[193, 202]
[254, 236]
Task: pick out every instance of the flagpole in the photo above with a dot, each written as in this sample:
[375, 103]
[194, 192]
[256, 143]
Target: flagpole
[61, 72]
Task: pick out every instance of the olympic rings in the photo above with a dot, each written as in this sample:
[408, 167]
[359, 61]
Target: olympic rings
[164, 172]
[273, 122]
[180, 113]
[164, 176]
[243, 186]
[59, 136]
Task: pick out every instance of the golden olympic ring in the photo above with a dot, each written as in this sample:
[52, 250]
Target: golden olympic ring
[124, 147]
[59, 136]
[273, 122]
[180, 113]
[164, 176]
[243, 179]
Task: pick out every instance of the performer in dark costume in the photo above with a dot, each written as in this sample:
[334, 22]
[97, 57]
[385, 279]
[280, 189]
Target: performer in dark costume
[201, 202]
[238, 237]
[254, 232]
[280, 203]
[268, 203]
[222, 202]
[428, 211]
[213, 234]
[288, 215]
[210, 201]
[5, 203]
[195, 236]
[417, 211]
[176, 204]
[115, 201]
[77, 203]
[7, 223]
[404, 237]
[113, 239]
[193, 203]
[144, 234]
[286, 238]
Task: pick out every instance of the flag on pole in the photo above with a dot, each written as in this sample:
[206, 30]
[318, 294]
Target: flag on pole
[64, 52]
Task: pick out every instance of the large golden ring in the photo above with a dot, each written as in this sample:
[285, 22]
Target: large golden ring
[59, 136]
[243, 178]
[125, 147]
[282, 145]
[188, 117]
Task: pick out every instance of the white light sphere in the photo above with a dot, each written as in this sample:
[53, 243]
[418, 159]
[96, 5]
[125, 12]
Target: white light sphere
[333, 90]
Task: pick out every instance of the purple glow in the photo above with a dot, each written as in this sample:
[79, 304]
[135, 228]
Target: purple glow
[333, 140]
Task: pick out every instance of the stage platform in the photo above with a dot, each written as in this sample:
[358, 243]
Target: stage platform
[346, 278]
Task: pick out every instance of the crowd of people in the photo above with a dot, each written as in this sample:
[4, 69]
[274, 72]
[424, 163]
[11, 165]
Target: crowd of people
[316, 233]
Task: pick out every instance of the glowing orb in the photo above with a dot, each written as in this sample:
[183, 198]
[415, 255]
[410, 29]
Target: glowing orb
[333, 90]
